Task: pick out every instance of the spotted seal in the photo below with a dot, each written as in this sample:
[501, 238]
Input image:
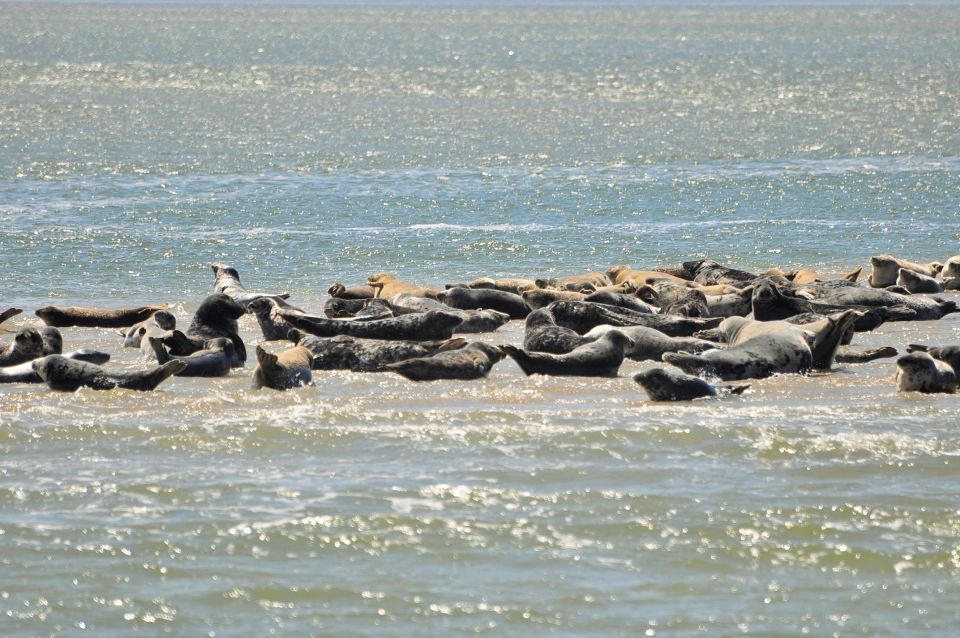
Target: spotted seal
[389, 286]
[427, 326]
[26, 346]
[783, 352]
[664, 384]
[650, 344]
[582, 316]
[472, 362]
[69, 375]
[366, 355]
[477, 298]
[919, 372]
[948, 354]
[96, 317]
[542, 334]
[24, 372]
[600, 358]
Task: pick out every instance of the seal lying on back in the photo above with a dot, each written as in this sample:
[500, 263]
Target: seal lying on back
[68, 375]
[476, 298]
[886, 268]
[652, 344]
[366, 355]
[288, 369]
[96, 317]
[582, 316]
[8, 313]
[919, 372]
[472, 362]
[542, 334]
[784, 352]
[24, 372]
[427, 326]
[226, 280]
[663, 384]
[601, 358]
[26, 346]
[215, 360]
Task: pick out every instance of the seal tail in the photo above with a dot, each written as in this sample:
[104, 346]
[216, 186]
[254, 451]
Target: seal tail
[152, 379]
[162, 355]
[521, 357]
[452, 344]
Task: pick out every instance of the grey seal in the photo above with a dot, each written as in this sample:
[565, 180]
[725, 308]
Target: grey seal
[427, 326]
[161, 322]
[917, 283]
[514, 285]
[542, 334]
[388, 286]
[24, 372]
[96, 317]
[663, 384]
[650, 344]
[708, 272]
[477, 298]
[282, 371]
[948, 354]
[919, 372]
[215, 360]
[784, 352]
[226, 280]
[471, 362]
[26, 345]
[68, 375]
[582, 316]
[272, 324]
[366, 355]
[600, 358]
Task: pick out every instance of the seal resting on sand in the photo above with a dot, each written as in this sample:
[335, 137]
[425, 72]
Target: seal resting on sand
[477, 298]
[68, 375]
[919, 372]
[389, 286]
[288, 369]
[600, 358]
[96, 317]
[663, 384]
[26, 345]
[886, 269]
[917, 283]
[471, 362]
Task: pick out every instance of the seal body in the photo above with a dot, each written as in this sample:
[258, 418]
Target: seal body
[471, 362]
[582, 317]
[389, 286]
[8, 313]
[886, 269]
[215, 317]
[366, 355]
[600, 358]
[161, 322]
[477, 298]
[427, 326]
[215, 360]
[26, 345]
[516, 286]
[226, 280]
[918, 283]
[650, 344]
[272, 324]
[542, 334]
[664, 384]
[784, 352]
[282, 371]
[24, 372]
[69, 375]
[96, 317]
[919, 372]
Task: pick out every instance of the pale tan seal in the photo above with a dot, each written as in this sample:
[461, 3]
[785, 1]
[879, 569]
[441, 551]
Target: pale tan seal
[391, 286]
[886, 269]
[282, 371]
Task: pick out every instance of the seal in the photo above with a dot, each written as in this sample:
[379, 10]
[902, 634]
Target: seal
[543, 297]
[389, 286]
[226, 280]
[663, 384]
[477, 298]
[951, 269]
[919, 372]
[650, 344]
[215, 360]
[427, 326]
[272, 324]
[620, 300]
[474, 321]
[52, 340]
[582, 316]
[365, 291]
[374, 308]
[471, 362]
[734, 304]
[161, 322]
[69, 375]
[24, 373]
[708, 272]
[96, 317]
[8, 313]
[948, 354]
[783, 352]
[542, 334]
[180, 345]
[682, 301]
[576, 283]
[601, 358]
[516, 286]
[886, 269]
[366, 355]
[846, 354]
[924, 308]
[288, 369]
[26, 346]
[917, 283]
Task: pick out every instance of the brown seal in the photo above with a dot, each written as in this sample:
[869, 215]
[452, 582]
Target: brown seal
[390, 286]
[96, 317]
[9, 312]
[288, 369]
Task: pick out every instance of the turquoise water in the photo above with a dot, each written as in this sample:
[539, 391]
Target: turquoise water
[307, 145]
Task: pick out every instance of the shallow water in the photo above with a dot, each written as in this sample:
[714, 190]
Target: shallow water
[311, 145]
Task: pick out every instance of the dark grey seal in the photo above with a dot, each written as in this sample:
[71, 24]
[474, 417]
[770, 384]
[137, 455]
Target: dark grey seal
[26, 346]
[650, 344]
[427, 326]
[600, 358]
[785, 352]
[24, 372]
[480, 298]
[471, 362]
[663, 384]
[215, 360]
[68, 375]
[948, 354]
[366, 355]
[542, 334]
[272, 324]
[582, 316]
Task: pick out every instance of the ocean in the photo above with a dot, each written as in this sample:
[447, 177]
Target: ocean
[307, 145]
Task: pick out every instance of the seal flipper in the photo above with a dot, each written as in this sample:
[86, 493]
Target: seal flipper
[239, 349]
[90, 356]
[146, 381]
[689, 363]
[9, 312]
[162, 355]
[180, 345]
[865, 356]
[522, 358]
[452, 344]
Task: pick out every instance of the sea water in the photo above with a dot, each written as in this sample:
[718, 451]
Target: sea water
[306, 145]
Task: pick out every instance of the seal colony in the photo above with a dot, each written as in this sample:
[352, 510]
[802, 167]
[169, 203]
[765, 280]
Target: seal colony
[703, 321]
